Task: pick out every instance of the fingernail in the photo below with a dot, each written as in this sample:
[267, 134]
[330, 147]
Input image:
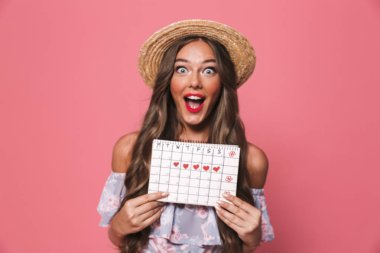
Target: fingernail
[164, 194]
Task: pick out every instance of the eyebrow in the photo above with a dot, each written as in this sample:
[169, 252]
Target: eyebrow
[184, 60]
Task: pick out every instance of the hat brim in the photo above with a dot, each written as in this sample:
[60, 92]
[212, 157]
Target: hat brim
[241, 52]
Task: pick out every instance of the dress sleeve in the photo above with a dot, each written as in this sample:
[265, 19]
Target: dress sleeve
[110, 199]
[266, 227]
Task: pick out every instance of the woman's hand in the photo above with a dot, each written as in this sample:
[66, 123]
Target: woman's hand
[242, 217]
[137, 214]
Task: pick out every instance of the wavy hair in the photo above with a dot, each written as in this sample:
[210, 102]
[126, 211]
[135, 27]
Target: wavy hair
[161, 122]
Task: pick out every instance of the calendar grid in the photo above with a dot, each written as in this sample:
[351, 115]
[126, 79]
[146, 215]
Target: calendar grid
[186, 179]
[159, 171]
[178, 177]
[170, 173]
[206, 200]
[193, 173]
[209, 186]
[220, 189]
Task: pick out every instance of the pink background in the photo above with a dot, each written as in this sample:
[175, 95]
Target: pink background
[69, 88]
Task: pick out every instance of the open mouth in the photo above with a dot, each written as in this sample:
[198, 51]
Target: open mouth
[194, 103]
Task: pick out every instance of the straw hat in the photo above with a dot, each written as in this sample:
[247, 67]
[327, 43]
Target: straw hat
[239, 48]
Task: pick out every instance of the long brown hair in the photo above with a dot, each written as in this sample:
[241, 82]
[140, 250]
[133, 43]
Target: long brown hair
[161, 122]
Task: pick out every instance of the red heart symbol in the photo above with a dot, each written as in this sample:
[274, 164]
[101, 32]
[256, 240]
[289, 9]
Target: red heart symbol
[206, 168]
[185, 165]
[175, 164]
[216, 169]
[196, 166]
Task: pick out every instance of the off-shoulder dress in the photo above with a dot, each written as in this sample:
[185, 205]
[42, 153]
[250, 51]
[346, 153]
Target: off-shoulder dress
[181, 228]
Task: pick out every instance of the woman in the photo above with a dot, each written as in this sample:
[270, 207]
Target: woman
[194, 68]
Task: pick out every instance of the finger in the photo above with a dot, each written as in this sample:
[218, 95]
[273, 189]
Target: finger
[153, 218]
[239, 203]
[221, 215]
[147, 198]
[148, 207]
[149, 214]
[232, 218]
[234, 209]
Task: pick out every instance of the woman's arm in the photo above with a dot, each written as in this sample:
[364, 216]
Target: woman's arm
[242, 217]
[137, 213]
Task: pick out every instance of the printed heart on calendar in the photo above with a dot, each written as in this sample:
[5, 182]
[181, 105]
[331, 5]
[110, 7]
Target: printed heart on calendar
[206, 168]
[216, 169]
[186, 165]
[196, 166]
[176, 164]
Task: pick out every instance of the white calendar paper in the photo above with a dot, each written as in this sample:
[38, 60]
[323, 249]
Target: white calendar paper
[193, 173]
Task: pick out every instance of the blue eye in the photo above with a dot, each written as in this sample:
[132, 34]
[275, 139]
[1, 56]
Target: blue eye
[209, 71]
[180, 69]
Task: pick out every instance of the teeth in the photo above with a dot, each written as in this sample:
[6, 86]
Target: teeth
[194, 97]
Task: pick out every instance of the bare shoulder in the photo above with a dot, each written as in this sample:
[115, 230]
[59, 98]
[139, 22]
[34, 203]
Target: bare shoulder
[122, 152]
[257, 166]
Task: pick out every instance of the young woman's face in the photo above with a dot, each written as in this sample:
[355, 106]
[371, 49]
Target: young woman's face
[195, 85]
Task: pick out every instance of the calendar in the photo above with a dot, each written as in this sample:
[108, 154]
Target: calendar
[193, 173]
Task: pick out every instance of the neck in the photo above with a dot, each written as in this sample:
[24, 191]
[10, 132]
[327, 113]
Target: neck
[192, 134]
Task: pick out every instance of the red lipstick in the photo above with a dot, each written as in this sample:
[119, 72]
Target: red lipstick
[194, 102]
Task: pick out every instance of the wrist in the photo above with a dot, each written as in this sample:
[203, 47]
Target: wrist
[115, 233]
[252, 241]
[115, 226]
[250, 247]
[114, 237]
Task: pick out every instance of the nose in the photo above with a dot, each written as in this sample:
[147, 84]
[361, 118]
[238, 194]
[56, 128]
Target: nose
[195, 81]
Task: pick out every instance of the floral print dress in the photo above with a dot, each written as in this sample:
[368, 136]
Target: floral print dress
[181, 228]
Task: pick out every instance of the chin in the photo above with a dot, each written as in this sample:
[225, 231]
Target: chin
[195, 121]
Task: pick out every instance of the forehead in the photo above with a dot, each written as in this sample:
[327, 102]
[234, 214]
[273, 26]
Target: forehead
[196, 51]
